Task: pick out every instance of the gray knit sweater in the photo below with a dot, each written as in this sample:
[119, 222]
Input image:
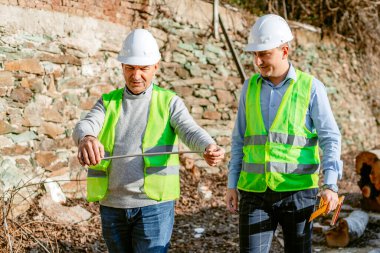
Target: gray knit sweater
[126, 181]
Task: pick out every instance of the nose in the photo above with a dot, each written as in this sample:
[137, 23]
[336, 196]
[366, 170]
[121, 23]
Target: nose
[136, 74]
[258, 60]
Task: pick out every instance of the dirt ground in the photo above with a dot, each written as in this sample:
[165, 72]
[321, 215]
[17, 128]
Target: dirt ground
[34, 232]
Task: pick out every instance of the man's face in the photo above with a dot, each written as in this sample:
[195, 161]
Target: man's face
[270, 62]
[138, 78]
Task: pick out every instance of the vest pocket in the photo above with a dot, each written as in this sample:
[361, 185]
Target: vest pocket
[162, 183]
[97, 181]
[96, 188]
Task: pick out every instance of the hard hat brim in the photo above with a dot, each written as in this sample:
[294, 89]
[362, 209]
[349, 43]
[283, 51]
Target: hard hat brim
[255, 47]
[138, 61]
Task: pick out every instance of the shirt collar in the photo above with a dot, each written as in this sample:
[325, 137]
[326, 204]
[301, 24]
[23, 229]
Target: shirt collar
[290, 75]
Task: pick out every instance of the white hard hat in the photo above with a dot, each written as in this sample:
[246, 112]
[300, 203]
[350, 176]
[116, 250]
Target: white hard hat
[269, 31]
[140, 49]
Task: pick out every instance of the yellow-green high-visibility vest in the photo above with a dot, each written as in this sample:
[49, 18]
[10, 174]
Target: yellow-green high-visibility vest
[161, 172]
[286, 157]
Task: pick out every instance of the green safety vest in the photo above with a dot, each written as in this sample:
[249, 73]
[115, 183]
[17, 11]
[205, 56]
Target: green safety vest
[161, 172]
[286, 157]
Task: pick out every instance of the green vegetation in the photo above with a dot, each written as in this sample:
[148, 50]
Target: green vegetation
[357, 21]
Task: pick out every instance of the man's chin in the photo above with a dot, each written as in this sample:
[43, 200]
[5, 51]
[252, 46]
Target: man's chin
[136, 89]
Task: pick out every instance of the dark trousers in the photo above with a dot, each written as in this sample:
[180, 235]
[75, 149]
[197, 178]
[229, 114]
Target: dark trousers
[260, 213]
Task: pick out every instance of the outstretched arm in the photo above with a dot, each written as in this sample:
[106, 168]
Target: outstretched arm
[195, 137]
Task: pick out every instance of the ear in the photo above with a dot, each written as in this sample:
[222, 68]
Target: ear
[285, 51]
[156, 66]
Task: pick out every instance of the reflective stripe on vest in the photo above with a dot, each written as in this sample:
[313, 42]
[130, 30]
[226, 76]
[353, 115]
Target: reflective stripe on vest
[96, 173]
[161, 173]
[163, 170]
[285, 158]
[281, 138]
[286, 168]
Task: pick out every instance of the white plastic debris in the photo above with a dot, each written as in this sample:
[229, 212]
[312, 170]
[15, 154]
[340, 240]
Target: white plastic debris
[55, 191]
[204, 191]
[198, 232]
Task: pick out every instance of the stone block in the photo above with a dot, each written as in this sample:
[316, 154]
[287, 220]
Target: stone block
[183, 91]
[224, 96]
[178, 57]
[12, 176]
[60, 59]
[16, 150]
[5, 141]
[23, 137]
[86, 103]
[212, 115]
[27, 65]
[196, 110]
[191, 81]
[219, 85]
[52, 115]
[194, 69]
[22, 95]
[45, 158]
[182, 73]
[190, 101]
[6, 78]
[204, 93]
[223, 140]
[52, 130]
[5, 127]
[32, 115]
[63, 214]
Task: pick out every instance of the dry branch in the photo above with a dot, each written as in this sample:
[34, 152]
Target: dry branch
[9, 229]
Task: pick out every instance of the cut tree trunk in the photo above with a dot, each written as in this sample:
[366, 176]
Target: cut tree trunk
[368, 167]
[347, 230]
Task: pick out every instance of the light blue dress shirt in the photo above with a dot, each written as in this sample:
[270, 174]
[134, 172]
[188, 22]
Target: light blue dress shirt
[319, 117]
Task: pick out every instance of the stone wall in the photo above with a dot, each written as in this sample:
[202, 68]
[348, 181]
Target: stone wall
[131, 13]
[55, 65]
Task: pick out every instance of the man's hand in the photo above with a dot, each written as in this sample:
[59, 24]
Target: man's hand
[331, 198]
[232, 200]
[90, 151]
[213, 154]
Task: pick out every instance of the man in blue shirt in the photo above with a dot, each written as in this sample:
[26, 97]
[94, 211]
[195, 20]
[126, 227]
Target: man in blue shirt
[275, 185]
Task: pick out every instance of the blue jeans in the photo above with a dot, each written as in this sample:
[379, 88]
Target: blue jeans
[260, 213]
[140, 230]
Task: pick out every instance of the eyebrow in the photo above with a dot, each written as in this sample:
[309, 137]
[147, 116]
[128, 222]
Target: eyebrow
[133, 66]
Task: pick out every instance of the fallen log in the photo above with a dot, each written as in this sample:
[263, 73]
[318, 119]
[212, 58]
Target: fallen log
[347, 229]
[365, 158]
[368, 167]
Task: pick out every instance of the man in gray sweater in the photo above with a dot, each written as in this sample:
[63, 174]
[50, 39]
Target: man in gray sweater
[137, 194]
